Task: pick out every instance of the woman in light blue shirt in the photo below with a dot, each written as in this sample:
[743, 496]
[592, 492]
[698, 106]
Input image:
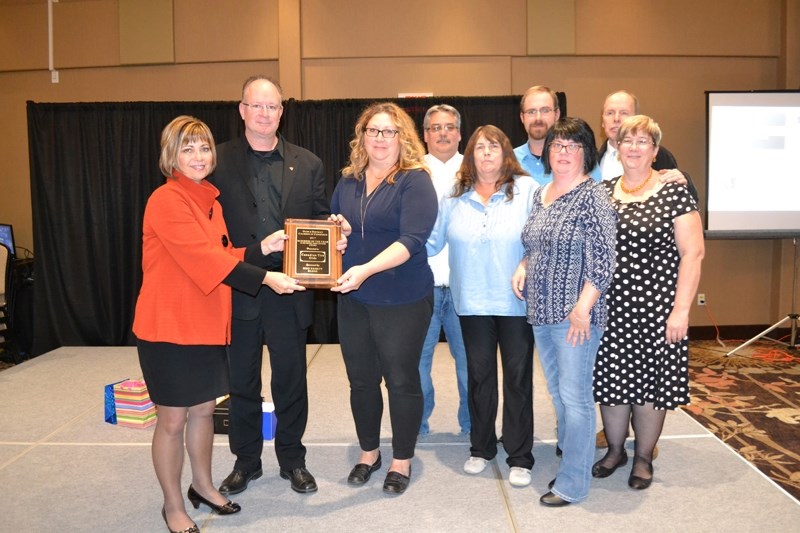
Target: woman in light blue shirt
[481, 221]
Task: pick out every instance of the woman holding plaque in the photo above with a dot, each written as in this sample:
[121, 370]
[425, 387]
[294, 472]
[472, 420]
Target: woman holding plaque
[183, 314]
[386, 291]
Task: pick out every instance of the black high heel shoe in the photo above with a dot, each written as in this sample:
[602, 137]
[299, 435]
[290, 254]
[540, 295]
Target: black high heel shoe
[598, 470]
[191, 529]
[197, 499]
[641, 483]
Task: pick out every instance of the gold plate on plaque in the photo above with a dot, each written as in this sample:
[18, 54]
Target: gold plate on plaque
[310, 254]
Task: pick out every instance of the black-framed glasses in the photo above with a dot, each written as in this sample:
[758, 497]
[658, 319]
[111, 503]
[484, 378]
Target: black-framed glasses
[436, 128]
[386, 133]
[542, 111]
[571, 148]
[258, 108]
[638, 143]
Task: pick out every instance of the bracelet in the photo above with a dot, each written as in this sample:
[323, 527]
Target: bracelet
[579, 319]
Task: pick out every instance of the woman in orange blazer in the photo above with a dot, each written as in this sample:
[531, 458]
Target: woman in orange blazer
[183, 313]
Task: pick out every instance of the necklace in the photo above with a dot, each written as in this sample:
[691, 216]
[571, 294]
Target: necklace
[635, 189]
[370, 197]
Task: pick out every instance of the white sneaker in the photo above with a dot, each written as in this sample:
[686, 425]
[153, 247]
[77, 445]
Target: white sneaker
[476, 465]
[518, 476]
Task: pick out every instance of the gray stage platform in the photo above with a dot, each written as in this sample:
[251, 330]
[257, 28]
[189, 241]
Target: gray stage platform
[64, 469]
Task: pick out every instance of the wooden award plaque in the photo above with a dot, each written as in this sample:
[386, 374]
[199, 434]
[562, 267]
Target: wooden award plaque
[310, 254]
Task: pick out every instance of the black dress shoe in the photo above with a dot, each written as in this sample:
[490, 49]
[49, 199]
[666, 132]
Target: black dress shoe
[361, 473]
[396, 483]
[641, 483]
[197, 499]
[238, 480]
[553, 500]
[301, 479]
[191, 529]
[598, 470]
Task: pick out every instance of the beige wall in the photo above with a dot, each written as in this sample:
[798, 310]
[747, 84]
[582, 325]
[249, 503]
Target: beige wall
[668, 53]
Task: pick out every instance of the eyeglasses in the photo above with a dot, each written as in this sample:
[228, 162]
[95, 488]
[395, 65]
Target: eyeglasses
[436, 128]
[570, 148]
[258, 108]
[387, 133]
[542, 111]
[638, 143]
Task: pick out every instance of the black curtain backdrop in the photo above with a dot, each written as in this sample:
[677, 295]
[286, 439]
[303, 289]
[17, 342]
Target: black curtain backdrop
[94, 165]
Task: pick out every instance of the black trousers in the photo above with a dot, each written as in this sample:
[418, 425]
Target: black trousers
[384, 342]
[277, 327]
[514, 336]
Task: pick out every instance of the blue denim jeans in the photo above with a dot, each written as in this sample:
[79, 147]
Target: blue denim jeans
[568, 371]
[444, 316]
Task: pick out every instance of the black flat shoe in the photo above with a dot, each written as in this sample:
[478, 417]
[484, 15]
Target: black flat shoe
[301, 479]
[238, 480]
[361, 473]
[641, 483]
[191, 529]
[396, 483]
[553, 500]
[598, 470]
[551, 484]
[197, 499]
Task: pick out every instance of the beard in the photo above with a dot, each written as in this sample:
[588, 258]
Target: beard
[537, 131]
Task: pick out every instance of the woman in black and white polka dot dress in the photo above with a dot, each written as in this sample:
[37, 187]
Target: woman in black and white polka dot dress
[642, 365]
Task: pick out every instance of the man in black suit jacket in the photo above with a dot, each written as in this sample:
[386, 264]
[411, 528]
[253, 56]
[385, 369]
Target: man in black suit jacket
[263, 180]
[617, 107]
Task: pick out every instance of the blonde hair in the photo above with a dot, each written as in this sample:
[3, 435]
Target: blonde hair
[177, 134]
[412, 152]
[641, 124]
[539, 89]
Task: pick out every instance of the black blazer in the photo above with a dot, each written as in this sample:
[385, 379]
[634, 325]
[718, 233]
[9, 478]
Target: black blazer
[664, 161]
[303, 195]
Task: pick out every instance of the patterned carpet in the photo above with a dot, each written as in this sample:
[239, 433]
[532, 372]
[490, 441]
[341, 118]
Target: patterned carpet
[751, 401]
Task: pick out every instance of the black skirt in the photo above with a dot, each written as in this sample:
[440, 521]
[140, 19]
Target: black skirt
[180, 375]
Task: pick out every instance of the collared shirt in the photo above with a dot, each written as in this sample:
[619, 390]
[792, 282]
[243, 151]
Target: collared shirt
[267, 175]
[533, 165]
[485, 248]
[444, 177]
[610, 165]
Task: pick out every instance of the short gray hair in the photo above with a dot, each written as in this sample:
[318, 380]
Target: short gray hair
[441, 108]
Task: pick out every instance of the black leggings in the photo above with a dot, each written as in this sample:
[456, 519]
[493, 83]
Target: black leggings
[384, 342]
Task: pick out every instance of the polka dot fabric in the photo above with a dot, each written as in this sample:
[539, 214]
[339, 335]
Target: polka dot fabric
[634, 364]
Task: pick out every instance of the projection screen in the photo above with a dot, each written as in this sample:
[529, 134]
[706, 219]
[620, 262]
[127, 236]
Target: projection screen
[753, 164]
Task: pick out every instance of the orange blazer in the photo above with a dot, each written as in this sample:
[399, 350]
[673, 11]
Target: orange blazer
[186, 253]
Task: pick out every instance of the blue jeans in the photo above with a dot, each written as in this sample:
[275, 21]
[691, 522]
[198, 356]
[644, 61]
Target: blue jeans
[568, 371]
[444, 316]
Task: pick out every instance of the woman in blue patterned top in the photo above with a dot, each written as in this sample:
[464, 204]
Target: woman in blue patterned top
[481, 222]
[569, 243]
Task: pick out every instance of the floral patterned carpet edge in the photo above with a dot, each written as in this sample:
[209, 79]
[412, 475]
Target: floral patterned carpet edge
[751, 401]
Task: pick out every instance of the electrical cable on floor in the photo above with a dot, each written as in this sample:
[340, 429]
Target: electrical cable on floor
[768, 354]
